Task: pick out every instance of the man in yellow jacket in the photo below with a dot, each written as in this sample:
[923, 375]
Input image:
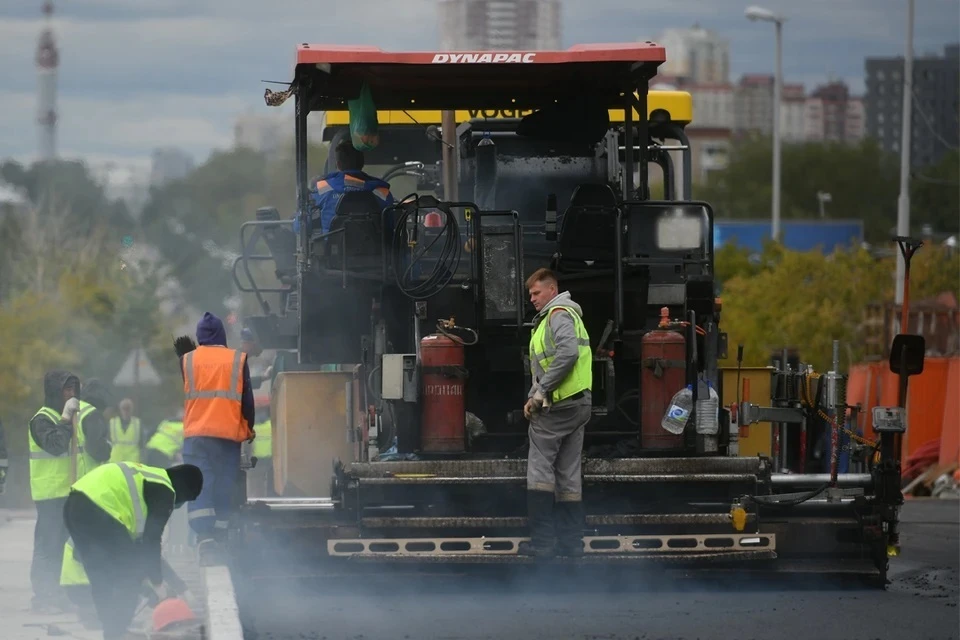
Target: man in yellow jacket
[126, 434]
[115, 516]
[558, 407]
[57, 458]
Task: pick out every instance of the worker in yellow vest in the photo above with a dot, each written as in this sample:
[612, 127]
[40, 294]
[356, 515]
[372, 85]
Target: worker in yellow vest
[262, 447]
[93, 430]
[558, 407]
[57, 459]
[165, 446]
[126, 434]
[115, 516]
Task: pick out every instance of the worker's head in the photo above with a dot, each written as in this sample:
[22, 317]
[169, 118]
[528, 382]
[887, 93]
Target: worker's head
[187, 481]
[71, 387]
[58, 387]
[542, 285]
[97, 393]
[249, 344]
[210, 331]
[126, 408]
[348, 158]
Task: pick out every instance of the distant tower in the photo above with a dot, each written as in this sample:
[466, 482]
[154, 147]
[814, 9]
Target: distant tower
[48, 59]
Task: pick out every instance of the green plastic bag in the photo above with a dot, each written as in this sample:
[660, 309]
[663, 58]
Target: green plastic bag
[364, 128]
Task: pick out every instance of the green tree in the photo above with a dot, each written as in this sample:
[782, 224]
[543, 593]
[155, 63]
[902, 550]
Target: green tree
[933, 270]
[71, 300]
[49, 185]
[862, 180]
[195, 222]
[935, 195]
[806, 300]
[732, 261]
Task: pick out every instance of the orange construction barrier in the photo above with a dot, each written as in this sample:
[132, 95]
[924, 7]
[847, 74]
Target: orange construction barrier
[950, 435]
[933, 403]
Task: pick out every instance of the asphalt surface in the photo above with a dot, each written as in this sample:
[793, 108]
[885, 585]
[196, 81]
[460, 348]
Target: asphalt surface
[920, 603]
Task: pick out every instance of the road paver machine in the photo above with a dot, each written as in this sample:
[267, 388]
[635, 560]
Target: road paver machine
[402, 333]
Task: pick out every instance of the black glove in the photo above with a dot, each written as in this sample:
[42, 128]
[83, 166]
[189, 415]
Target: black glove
[183, 345]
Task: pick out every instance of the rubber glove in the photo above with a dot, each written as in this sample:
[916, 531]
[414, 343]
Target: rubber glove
[70, 409]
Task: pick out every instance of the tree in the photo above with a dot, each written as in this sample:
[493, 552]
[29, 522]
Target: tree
[933, 270]
[732, 261]
[803, 300]
[806, 300]
[49, 184]
[69, 297]
[862, 180]
[195, 222]
[935, 195]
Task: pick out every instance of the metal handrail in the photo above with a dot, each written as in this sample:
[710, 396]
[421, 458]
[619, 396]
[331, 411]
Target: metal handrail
[245, 259]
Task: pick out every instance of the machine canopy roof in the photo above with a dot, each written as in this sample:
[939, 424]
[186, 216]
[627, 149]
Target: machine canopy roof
[327, 75]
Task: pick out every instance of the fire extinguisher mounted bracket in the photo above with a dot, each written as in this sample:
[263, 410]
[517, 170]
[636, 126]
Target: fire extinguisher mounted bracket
[452, 371]
[659, 364]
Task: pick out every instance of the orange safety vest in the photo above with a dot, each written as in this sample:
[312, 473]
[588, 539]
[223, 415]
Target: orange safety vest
[213, 386]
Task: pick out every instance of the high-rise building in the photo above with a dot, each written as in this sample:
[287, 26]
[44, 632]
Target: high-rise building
[753, 104]
[833, 115]
[713, 106]
[936, 103]
[792, 113]
[48, 59]
[471, 25]
[695, 55]
[711, 129]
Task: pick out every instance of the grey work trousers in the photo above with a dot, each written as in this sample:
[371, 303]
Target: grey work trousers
[556, 445]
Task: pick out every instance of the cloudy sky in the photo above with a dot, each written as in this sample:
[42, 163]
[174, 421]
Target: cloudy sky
[139, 75]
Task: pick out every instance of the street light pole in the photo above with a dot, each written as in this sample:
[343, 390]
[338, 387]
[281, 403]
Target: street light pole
[765, 15]
[903, 202]
[777, 99]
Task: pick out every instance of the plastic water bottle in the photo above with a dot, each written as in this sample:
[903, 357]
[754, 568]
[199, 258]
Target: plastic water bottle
[708, 413]
[675, 419]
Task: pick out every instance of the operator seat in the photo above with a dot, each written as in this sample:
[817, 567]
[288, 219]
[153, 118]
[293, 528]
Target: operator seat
[357, 226]
[587, 228]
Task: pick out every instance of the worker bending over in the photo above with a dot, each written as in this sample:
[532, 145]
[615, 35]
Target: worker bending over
[218, 417]
[115, 516]
[56, 460]
[558, 408]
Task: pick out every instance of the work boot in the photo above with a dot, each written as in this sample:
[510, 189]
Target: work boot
[542, 543]
[570, 521]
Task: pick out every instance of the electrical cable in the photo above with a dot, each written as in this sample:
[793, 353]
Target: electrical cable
[447, 262]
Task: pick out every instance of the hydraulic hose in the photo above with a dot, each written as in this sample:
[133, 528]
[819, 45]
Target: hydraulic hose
[446, 263]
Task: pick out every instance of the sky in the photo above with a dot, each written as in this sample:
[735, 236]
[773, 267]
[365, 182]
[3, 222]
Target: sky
[135, 76]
